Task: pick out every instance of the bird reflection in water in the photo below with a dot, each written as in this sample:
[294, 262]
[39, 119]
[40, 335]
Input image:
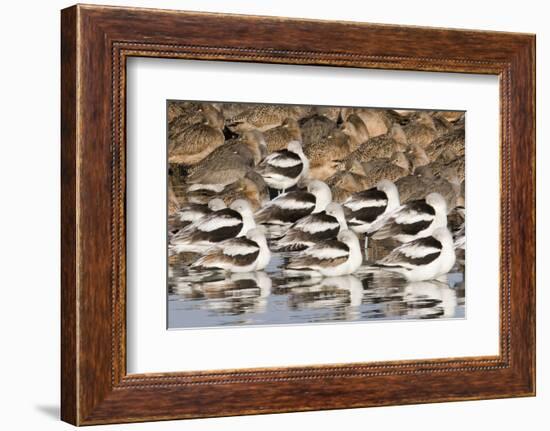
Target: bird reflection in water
[274, 297]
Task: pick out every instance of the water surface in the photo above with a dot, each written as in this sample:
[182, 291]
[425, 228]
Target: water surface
[277, 297]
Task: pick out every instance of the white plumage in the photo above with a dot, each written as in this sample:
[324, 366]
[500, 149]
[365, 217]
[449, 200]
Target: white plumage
[423, 259]
[330, 257]
[364, 209]
[413, 220]
[218, 226]
[286, 209]
[314, 228]
[283, 169]
[243, 254]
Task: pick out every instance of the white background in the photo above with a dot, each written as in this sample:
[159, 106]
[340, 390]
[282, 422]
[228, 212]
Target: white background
[151, 348]
[29, 216]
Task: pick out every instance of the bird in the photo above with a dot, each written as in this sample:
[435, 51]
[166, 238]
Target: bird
[413, 187]
[377, 121]
[424, 258]
[417, 156]
[194, 143]
[182, 114]
[333, 113]
[397, 166]
[421, 129]
[279, 137]
[173, 202]
[242, 254]
[453, 141]
[289, 207]
[261, 117]
[252, 187]
[375, 147]
[356, 131]
[283, 169]
[365, 208]
[227, 223]
[413, 220]
[193, 212]
[324, 154]
[456, 222]
[251, 145]
[316, 128]
[330, 258]
[313, 228]
[226, 164]
[349, 181]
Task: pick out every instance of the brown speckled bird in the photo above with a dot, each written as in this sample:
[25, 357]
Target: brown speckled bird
[417, 156]
[414, 187]
[374, 148]
[453, 141]
[356, 131]
[377, 121]
[279, 137]
[315, 128]
[324, 154]
[420, 130]
[262, 117]
[194, 143]
[349, 181]
[228, 163]
[397, 167]
[183, 114]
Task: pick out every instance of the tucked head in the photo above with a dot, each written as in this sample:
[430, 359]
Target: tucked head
[289, 123]
[241, 206]
[318, 188]
[356, 127]
[424, 171]
[437, 201]
[347, 237]
[335, 209]
[443, 235]
[257, 234]
[295, 146]
[399, 159]
[216, 204]
[254, 139]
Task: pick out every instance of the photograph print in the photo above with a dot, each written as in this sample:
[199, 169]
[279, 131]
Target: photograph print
[291, 214]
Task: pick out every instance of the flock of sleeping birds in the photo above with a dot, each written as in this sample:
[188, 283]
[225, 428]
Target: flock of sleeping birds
[251, 192]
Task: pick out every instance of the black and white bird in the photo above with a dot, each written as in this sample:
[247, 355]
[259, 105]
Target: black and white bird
[309, 230]
[424, 258]
[243, 254]
[193, 212]
[456, 221]
[218, 226]
[290, 207]
[413, 220]
[283, 169]
[330, 258]
[364, 209]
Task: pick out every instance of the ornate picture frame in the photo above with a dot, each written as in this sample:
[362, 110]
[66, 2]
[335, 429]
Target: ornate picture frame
[96, 42]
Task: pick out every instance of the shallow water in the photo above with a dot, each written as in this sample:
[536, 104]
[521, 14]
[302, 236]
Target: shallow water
[275, 297]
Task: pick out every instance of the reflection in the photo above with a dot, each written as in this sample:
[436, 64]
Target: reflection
[343, 294]
[236, 294]
[430, 299]
[273, 296]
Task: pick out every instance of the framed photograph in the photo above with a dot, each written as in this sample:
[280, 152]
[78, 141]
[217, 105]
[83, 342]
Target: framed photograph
[261, 217]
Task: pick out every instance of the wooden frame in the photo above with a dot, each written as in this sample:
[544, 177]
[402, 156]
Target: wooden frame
[96, 41]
